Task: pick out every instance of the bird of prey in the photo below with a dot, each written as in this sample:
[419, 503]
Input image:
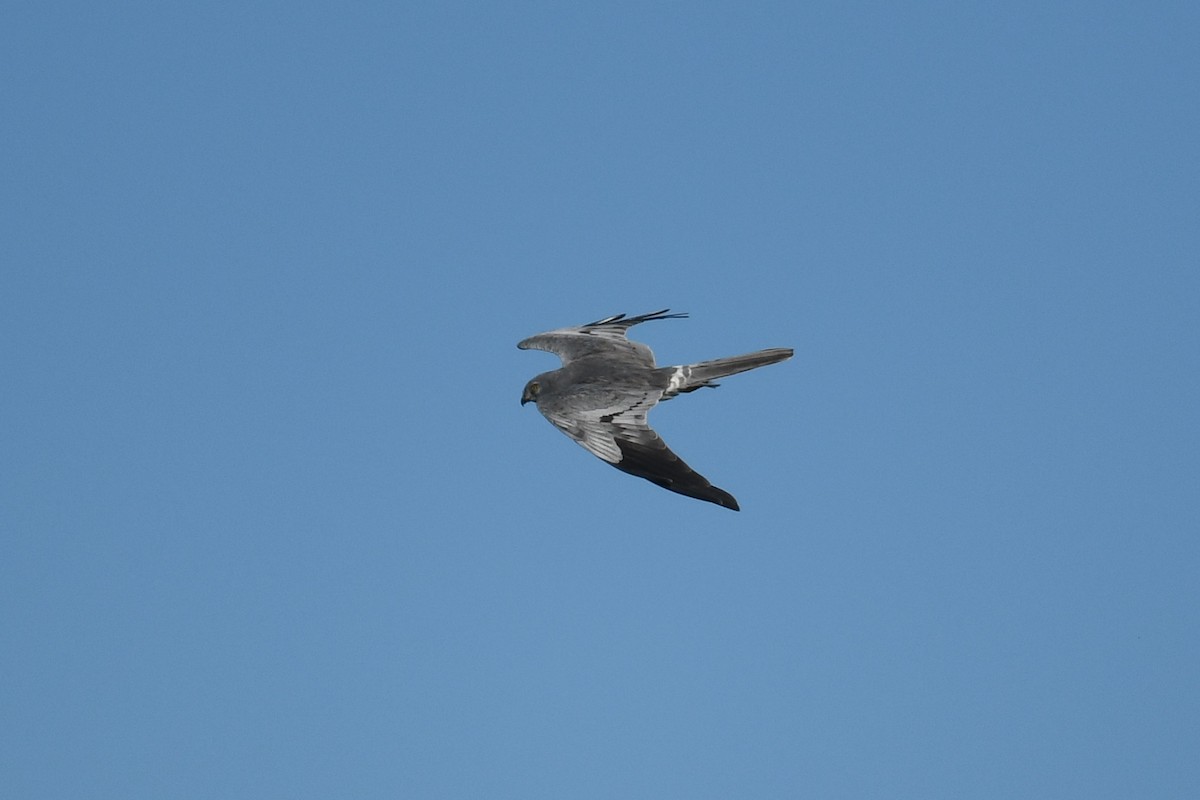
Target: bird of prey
[606, 386]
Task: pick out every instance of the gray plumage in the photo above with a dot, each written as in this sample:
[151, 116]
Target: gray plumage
[606, 386]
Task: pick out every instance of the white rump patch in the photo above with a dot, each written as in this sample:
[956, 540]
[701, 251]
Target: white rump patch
[679, 379]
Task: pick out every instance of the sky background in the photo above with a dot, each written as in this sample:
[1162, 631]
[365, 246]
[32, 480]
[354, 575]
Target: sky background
[274, 524]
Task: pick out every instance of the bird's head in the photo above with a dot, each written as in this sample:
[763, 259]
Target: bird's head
[531, 391]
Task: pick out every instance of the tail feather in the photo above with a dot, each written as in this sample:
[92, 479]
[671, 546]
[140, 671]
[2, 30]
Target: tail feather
[690, 377]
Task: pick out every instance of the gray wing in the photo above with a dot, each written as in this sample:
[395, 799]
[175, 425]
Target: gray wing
[606, 336]
[611, 424]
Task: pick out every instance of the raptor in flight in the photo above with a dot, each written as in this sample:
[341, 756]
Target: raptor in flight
[606, 386]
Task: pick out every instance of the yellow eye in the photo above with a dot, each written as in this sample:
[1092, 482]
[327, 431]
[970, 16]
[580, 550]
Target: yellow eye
[531, 392]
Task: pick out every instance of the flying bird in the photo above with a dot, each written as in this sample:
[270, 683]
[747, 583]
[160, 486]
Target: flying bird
[606, 386]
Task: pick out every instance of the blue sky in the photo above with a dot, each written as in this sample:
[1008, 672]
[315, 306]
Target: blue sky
[274, 524]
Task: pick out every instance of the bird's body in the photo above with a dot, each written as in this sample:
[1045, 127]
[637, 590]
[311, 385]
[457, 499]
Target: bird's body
[606, 386]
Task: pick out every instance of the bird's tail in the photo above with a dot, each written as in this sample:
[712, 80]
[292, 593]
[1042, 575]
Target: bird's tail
[690, 377]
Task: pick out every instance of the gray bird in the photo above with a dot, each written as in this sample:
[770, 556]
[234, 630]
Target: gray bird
[607, 385]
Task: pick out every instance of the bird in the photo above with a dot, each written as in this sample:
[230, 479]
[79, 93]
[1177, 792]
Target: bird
[606, 386]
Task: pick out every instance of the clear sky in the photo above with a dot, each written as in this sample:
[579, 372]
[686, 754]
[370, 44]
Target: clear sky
[274, 524]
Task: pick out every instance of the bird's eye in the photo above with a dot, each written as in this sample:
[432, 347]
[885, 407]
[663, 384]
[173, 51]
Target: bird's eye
[534, 387]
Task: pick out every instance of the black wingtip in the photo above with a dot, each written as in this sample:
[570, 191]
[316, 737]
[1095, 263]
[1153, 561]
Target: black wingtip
[629, 322]
[662, 315]
[605, 321]
[709, 494]
[721, 497]
[660, 466]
